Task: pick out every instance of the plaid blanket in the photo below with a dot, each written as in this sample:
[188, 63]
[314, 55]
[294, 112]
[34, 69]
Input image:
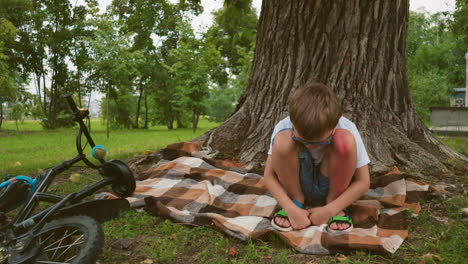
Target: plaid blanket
[190, 187]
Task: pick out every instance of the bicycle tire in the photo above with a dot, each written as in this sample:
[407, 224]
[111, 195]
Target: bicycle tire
[86, 253]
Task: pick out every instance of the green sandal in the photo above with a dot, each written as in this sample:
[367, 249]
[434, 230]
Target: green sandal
[340, 219]
[282, 214]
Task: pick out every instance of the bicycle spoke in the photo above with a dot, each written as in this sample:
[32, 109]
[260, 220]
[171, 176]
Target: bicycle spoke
[59, 241]
[70, 259]
[68, 246]
[71, 245]
[65, 246]
[43, 241]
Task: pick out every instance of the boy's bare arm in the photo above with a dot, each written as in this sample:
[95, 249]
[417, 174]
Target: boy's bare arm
[359, 186]
[340, 163]
[298, 217]
[285, 164]
[274, 186]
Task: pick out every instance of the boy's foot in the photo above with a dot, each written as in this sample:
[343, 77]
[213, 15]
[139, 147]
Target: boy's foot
[281, 222]
[341, 222]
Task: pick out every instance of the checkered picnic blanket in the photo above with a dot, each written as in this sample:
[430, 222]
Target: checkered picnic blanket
[190, 187]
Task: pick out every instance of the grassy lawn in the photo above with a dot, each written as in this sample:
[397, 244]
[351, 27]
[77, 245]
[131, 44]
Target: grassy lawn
[458, 143]
[30, 148]
[137, 236]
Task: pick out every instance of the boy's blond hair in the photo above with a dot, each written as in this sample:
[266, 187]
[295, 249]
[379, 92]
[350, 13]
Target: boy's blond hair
[314, 109]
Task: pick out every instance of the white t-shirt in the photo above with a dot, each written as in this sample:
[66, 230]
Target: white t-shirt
[317, 153]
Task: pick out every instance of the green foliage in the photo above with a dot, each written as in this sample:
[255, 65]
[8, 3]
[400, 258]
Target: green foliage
[10, 80]
[429, 88]
[121, 109]
[234, 27]
[435, 60]
[233, 33]
[459, 23]
[7, 78]
[190, 72]
[223, 99]
[142, 54]
[220, 103]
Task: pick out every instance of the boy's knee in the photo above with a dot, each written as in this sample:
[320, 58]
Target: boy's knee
[283, 145]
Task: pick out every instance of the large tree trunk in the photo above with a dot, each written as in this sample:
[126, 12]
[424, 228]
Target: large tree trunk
[355, 47]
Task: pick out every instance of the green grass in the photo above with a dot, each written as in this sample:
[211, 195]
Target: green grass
[166, 242]
[22, 126]
[448, 241]
[457, 143]
[35, 148]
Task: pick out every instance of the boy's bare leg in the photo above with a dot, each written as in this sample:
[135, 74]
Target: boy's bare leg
[285, 163]
[339, 165]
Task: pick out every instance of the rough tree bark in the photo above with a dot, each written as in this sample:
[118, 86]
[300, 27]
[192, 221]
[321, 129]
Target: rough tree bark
[355, 47]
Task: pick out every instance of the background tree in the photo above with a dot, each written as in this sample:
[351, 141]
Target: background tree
[223, 99]
[11, 77]
[80, 52]
[114, 69]
[356, 48]
[233, 32]
[194, 61]
[435, 60]
[47, 34]
[143, 18]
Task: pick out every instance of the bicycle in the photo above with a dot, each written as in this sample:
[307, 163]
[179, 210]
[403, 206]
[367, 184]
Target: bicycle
[69, 231]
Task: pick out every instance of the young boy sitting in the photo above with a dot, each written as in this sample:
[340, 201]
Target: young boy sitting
[317, 159]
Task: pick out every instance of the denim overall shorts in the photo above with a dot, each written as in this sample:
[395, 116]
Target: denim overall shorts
[314, 184]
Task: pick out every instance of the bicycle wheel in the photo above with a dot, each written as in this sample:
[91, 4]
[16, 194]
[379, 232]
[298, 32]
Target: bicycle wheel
[73, 239]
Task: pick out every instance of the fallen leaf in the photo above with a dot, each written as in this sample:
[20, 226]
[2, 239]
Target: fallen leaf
[441, 219]
[148, 152]
[451, 160]
[267, 257]
[75, 177]
[147, 261]
[232, 252]
[393, 170]
[17, 164]
[445, 187]
[341, 258]
[464, 212]
[122, 244]
[430, 256]
[435, 189]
